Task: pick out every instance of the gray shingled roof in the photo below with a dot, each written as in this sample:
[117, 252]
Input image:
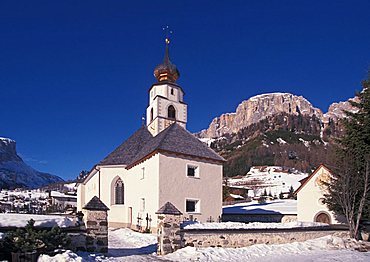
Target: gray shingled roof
[173, 139]
[126, 152]
[95, 204]
[178, 140]
[168, 209]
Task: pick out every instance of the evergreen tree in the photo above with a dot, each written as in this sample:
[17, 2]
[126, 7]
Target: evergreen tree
[281, 195]
[291, 192]
[225, 189]
[348, 189]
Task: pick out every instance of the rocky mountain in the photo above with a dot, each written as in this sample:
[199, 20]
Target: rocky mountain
[259, 107]
[278, 129]
[15, 173]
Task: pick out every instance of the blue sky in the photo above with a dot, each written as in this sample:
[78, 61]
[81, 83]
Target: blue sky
[74, 75]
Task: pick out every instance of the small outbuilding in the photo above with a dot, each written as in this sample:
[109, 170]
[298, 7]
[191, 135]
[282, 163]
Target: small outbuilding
[310, 196]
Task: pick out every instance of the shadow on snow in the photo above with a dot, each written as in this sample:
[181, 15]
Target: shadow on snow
[124, 252]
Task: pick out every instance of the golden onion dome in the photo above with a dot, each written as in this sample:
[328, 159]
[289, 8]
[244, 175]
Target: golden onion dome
[166, 71]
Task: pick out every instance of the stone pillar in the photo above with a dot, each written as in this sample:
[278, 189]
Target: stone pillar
[96, 220]
[169, 234]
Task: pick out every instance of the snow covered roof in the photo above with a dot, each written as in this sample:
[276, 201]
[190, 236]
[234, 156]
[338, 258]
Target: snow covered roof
[254, 225]
[20, 220]
[59, 194]
[284, 207]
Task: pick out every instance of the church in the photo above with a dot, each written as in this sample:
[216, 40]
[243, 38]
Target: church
[310, 195]
[161, 162]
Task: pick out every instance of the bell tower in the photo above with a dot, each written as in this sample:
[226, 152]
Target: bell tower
[166, 98]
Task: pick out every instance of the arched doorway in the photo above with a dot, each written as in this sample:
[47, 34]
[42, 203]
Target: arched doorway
[323, 218]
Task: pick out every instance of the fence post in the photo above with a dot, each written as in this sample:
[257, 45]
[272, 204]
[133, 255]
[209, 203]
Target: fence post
[169, 234]
[96, 226]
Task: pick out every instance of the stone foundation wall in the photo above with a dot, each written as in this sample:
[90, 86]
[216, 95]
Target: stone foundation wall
[78, 240]
[244, 238]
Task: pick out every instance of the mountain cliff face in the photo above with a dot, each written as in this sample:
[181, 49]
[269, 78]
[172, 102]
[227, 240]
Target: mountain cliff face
[15, 173]
[279, 129]
[257, 108]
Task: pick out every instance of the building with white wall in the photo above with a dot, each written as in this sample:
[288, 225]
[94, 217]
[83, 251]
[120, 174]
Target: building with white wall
[310, 198]
[161, 162]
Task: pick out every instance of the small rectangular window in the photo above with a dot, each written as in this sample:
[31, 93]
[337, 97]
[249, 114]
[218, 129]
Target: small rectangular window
[142, 173]
[192, 171]
[192, 206]
[142, 204]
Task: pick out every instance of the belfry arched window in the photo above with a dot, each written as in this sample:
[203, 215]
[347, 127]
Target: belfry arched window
[151, 114]
[119, 192]
[171, 112]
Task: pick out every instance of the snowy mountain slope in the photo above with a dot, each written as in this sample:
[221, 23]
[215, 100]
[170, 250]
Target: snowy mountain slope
[15, 173]
[273, 179]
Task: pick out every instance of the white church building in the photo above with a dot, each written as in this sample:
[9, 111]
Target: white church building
[161, 162]
[311, 205]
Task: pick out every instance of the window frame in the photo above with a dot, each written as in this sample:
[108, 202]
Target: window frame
[142, 204]
[120, 201]
[197, 209]
[171, 112]
[196, 170]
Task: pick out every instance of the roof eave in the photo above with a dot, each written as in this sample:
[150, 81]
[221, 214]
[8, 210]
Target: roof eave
[221, 161]
[311, 176]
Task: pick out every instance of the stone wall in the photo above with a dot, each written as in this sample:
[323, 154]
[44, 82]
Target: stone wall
[169, 234]
[96, 231]
[244, 238]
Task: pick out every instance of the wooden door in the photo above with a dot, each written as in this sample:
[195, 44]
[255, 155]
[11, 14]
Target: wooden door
[130, 216]
[323, 218]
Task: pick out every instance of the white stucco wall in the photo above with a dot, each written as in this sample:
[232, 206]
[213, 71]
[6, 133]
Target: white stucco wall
[165, 179]
[165, 91]
[160, 105]
[175, 186]
[309, 200]
[87, 191]
[136, 188]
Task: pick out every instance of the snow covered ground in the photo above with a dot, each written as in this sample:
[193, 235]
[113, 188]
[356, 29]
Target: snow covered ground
[26, 194]
[255, 225]
[274, 179]
[20, 220]
[282, 206]
[126, 245]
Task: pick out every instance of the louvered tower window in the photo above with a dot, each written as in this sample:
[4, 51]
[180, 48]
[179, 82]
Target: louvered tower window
[171, 112]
